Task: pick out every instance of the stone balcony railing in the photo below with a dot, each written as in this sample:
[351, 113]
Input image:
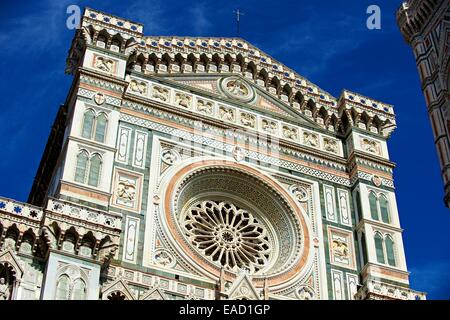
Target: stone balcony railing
[74, 211]
[20, 209]
[377, 290]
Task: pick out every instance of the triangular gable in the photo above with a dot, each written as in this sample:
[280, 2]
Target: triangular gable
[10, 258]
[243, 288]
[153, 294]
[118, 285]
[205, 84]
[262, 100]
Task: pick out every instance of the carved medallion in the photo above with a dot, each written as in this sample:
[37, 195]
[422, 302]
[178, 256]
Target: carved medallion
[238, 153]
[235, 87]
[377, 181]
[305, 293]
[99, 98]
[164, 258]
[169, 156]
[299, 193]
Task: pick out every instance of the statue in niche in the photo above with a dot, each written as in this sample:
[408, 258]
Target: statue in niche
[269, 126]
[226, 113]
[290, 133]
[160, 93]
[183, 100]
[103, 64]
[4, 289]
[205, 106]
[310, 139]
[139, 87]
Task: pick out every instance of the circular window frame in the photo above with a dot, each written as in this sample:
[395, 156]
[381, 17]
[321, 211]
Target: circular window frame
[245, 205]
[300, 259]
[223, 85]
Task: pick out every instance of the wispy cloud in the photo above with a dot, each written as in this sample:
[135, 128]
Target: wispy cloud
[201, 23]
[37, 30]
[151, 14]
[318, 43]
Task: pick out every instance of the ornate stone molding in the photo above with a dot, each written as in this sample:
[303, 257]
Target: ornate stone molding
[377, 290]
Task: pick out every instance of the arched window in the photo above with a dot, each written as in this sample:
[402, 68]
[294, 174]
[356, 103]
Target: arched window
[94, 127]
[373, 206]
[384, 209]
[79, 290]
[358, 206]
[94, 170]
[88, 124]
[80, 171]
[63, 288]
[100, 128]
[379, 248]
[390, 251]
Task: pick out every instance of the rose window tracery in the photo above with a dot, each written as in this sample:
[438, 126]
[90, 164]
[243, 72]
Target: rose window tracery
[229, 216]
[228, 235]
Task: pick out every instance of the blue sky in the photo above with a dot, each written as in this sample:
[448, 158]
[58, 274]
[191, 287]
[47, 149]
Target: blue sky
[326, 42]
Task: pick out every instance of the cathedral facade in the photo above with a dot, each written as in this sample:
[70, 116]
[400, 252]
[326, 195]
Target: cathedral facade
[425, 25]
[202, 168]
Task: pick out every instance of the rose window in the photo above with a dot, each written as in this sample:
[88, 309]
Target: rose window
[227, 235]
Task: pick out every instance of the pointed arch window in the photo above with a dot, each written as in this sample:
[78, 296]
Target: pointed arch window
[88, 124]
[384, 209]
[94, 126]
[100, 127]
[390, 254]
[63, 288]
[385, 249]
[79, 290]
[81, 168]
[88, 168]
[379, 207]
[373, 202]
[379, 248]
[94, 170]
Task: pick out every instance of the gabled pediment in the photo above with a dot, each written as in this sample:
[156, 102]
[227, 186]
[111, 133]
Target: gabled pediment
[118, 285]
[243, 289]
[11, 259]
[154, 294]
[248, 94]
